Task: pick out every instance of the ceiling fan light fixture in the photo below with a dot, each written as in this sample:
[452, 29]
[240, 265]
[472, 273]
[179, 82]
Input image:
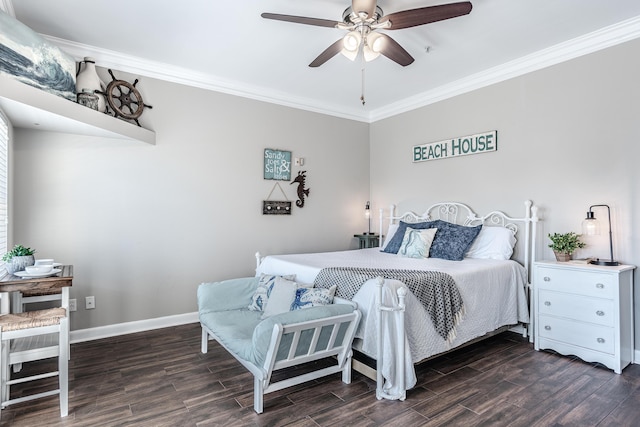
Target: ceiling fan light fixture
[352, 41]
[351, 54]
[375, 42]
[369, 54]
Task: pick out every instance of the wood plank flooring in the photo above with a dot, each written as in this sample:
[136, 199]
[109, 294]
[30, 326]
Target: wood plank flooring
[160, 378]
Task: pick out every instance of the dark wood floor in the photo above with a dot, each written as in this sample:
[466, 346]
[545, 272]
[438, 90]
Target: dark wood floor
[160, 378]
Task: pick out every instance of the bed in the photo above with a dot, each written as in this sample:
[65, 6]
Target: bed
[490, 272]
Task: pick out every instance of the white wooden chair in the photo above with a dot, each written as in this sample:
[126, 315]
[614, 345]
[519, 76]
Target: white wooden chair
[30, 336]
[20, 301]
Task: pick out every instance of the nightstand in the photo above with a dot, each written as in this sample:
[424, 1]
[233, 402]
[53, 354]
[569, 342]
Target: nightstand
[368, 240]
[585, 310]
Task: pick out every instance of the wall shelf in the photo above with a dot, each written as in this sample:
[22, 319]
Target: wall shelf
[32, 108]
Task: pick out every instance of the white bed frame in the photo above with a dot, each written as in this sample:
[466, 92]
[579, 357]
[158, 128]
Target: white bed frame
[457, 213]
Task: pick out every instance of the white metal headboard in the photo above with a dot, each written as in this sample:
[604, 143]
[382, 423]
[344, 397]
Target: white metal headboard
[461, 214]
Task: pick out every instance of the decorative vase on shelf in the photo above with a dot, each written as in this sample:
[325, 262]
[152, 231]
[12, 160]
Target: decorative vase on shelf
[87, 80]
[18, 263]
[562, 256]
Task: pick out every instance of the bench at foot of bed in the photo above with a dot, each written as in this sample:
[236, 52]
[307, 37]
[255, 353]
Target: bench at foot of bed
[277, 342]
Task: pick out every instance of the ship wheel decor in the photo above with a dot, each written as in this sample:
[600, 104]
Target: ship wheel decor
[124, 99]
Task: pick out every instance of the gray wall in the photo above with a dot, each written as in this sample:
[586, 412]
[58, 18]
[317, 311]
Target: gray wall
[568, 137]
[143, 225]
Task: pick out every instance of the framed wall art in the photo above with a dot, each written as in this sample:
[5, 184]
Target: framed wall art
[277, 164]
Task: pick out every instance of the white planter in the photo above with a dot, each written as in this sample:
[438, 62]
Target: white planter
[18, 263]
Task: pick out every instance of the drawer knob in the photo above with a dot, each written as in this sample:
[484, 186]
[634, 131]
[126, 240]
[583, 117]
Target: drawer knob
[601, 340]
[547, 303]
[547, 279]
[547, 328]
[599, 286]
[600, 313]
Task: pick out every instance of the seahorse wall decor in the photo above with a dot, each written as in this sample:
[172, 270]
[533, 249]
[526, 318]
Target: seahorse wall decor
[302, 192]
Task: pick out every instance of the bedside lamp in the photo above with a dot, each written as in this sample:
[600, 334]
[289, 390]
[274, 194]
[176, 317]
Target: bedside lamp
[367, 214]
[591, 227]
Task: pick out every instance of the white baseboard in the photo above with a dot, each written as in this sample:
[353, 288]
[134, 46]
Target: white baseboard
[99, 332]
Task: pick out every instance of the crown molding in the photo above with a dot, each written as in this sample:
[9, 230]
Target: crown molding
[609, 36]
[606, 37]
[134, 65]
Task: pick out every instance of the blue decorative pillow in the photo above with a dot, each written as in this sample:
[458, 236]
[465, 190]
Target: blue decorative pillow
[452, 240]
[396, 241]
[313, 297]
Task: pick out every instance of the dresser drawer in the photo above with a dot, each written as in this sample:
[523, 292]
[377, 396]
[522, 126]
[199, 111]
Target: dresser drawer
[586, 309]
[593, 284]
[594, 337]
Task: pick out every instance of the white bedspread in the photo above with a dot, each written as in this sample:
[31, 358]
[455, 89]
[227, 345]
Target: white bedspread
[493, 293]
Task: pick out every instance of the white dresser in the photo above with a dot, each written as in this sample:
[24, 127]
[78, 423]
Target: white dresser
[585, 310]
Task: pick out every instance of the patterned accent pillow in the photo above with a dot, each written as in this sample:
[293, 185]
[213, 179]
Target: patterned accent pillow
[416, 243]
[265, 285]
[281, 296]
[452, 240]
[313, 297]
[396, 241]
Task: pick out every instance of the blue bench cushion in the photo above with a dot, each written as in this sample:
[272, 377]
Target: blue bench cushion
[244, 333]
[230, 294]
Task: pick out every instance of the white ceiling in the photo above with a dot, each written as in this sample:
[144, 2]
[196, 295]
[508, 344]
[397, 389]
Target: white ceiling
[227, 46]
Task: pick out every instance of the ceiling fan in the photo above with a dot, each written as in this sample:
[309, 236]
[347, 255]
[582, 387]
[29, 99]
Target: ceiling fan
[362, 20]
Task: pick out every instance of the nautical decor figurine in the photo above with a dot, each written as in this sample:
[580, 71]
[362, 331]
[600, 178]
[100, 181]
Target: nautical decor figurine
[124, 99]
[302, 192]
[88, 81]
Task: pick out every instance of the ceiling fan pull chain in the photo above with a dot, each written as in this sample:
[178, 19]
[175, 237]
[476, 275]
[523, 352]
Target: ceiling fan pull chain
[362, 94]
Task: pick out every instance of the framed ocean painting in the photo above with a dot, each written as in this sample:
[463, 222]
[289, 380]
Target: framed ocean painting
[29, 58]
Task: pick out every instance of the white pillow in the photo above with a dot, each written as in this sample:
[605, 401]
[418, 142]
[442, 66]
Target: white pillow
[416, 243]
[261, 294]
[390, 233]
[492, 243]
[281, 297]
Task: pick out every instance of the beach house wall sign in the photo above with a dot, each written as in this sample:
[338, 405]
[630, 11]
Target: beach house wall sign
[455, 147]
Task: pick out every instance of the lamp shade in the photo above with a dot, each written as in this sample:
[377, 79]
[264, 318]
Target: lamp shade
[590, 225]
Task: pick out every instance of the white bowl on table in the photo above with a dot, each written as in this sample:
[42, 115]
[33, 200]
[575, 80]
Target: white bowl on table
[39, 269]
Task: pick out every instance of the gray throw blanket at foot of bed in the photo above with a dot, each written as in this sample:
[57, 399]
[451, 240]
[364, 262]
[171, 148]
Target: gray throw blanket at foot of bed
[436, 291]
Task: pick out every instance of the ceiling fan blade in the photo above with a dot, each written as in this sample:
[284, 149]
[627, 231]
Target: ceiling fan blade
[426, 15]
[328, 53]
[300, 20]
[392, 50]
[366, 6]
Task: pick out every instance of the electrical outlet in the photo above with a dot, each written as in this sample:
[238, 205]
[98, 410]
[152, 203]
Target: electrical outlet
[89, 302]
[73, 304]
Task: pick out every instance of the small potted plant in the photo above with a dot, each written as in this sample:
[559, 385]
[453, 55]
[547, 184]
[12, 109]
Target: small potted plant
[564, 245]
[18, 258]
